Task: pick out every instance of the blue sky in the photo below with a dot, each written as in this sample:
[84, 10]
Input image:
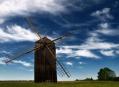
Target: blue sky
[93, 43]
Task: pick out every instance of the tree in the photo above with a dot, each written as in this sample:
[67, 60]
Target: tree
[106, 74]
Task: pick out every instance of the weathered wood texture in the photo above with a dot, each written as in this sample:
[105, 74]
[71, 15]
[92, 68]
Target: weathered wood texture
[45, 63]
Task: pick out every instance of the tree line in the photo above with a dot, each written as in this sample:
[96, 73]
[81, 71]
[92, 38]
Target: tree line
[104, 74]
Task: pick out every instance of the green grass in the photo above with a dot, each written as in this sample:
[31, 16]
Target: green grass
[61, 84]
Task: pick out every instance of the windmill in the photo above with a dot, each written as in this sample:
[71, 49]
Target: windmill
[45, 64]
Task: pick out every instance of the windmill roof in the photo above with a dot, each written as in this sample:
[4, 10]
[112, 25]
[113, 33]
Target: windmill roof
[45, 39]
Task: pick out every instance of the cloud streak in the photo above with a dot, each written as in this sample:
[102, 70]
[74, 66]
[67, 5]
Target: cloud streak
[16, 33]
[70, 52]
[23, 63]
[108, 52]
[106, 29]
[9, 8]
[103, 14]
[22, 7]
[69, 63]
[82, 63]
[1, 61]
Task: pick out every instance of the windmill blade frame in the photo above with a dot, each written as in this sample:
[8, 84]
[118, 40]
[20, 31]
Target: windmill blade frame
[68, 75]
[27, 52]
[22, 54]
[33, 28]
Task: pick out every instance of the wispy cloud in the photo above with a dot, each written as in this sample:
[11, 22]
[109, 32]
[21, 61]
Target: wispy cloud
[108, 52]
[93, 46]
[77, 53]
[2, 20]
[64, 51]
[98, 45]
[81, 4]
[69, 63]
[24, 63]
[1, 61]
[24, 7]
[106, 29]
[16, 33]
[117, 52]
[86, 53]
[95, 42]
[103, 14]
[82, 63]
[5, 52]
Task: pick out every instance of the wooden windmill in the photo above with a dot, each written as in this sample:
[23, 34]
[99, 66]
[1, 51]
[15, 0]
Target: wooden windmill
[45, 64]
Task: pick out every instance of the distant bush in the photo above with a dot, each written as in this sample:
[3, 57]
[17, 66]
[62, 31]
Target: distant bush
[77, 80]
[88, 79]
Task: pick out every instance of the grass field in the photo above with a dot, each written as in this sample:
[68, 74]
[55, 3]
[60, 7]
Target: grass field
[60, 84]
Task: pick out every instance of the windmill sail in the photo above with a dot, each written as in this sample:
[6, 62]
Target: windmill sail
[18, 55]
[29, 21]
[62, 67]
